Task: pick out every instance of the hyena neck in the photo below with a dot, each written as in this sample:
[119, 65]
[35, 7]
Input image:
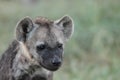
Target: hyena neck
[24, 64]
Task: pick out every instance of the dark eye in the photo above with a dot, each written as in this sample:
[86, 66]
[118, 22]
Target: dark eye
[59, 45]
[41, 47]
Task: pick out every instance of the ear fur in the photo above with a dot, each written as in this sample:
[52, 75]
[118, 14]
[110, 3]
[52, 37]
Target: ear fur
[67, 26]
[23, 28]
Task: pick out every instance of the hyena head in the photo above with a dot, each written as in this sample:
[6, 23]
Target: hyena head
[44, 39]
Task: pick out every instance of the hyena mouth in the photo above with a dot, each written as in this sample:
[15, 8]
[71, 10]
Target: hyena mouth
[50, 67]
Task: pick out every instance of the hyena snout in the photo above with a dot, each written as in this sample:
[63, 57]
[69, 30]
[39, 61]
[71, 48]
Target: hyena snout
[53, 63]
[56, 61]
[51, 59]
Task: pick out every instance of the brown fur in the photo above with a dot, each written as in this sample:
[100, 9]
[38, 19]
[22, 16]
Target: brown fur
[6, 61]
[42, 20]
[25, 59]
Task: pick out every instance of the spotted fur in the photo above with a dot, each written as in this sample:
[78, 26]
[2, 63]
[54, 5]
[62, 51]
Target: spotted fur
[37, 50]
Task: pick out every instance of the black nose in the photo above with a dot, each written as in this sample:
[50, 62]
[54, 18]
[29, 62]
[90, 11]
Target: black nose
[56, 62]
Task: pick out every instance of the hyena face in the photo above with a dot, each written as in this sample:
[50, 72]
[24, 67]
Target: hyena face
[44, 40]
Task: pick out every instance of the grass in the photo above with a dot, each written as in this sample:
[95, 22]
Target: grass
[93, 52]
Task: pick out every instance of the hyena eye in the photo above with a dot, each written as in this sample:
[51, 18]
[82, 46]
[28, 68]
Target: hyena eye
[41, 47]
[59, 45]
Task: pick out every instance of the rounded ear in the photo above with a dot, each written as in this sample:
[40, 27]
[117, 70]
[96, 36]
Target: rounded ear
[67, 26]
[23, 28]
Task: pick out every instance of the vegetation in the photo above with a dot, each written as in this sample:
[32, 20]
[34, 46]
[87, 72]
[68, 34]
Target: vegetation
[93, 53]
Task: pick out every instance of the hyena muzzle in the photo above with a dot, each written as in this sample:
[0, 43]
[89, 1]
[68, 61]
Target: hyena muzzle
[37, 50]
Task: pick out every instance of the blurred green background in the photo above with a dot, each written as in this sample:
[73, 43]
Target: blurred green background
[93, 53]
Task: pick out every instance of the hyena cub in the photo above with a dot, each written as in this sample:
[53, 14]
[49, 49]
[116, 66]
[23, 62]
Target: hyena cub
[37, 50]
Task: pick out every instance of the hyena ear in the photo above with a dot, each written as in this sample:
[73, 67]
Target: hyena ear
[67, 26]
[24, 27]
